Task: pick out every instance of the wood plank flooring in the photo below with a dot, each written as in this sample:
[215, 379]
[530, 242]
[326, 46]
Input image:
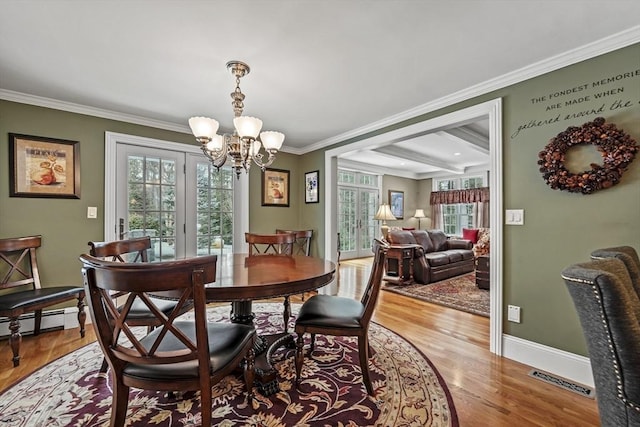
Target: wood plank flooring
[487, 390]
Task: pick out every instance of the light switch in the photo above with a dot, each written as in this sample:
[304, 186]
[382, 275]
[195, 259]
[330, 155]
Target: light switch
[514, 217]
[92, 212]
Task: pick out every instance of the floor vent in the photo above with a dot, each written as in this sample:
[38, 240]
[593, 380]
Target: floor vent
[561, 382]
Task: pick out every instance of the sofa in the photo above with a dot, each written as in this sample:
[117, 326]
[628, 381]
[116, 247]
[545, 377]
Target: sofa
[436, 257]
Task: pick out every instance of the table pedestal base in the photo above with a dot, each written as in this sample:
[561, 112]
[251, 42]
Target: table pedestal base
[265, 345]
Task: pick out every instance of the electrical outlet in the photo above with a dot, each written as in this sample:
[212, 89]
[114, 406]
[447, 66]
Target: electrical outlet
[513, 314]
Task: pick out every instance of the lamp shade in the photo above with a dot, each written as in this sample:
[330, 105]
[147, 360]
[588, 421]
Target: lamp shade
[203, 127]
[384, 213]
[216, 143]
[271, 140]
[247, 126]
[419, 214]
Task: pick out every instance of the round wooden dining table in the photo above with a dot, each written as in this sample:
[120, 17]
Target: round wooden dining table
[241, 279]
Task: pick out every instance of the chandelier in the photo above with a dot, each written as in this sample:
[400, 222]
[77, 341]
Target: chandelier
[246, 142]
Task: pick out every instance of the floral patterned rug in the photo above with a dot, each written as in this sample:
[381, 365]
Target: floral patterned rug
[458, 292]
[409, 391]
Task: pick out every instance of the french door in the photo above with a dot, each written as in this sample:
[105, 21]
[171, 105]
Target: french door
[356, 208]
[170, 192]
[150, 200]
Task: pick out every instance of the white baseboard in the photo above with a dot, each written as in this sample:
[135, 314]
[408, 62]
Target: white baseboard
[562, 363]
[66, 318]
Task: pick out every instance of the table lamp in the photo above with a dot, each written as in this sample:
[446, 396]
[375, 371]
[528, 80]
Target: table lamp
[384, 214]
[419, 214]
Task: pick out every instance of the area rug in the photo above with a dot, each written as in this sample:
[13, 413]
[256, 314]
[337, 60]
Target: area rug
[409, 391]
[458, 292]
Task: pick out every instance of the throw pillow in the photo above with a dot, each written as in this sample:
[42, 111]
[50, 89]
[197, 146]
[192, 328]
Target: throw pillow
[470, 234]
[408, 228]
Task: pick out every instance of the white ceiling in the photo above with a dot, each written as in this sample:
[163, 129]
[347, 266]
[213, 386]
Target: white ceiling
[319, 68]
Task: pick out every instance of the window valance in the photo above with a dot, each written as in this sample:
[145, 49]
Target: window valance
[473, 195]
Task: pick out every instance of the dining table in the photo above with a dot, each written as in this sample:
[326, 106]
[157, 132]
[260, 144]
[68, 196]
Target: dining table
[242, 279]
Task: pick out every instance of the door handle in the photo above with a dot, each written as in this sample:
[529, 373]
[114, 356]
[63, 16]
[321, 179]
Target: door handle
[121, 231]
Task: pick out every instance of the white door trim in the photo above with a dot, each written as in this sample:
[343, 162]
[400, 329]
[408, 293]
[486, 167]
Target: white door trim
[493, 111]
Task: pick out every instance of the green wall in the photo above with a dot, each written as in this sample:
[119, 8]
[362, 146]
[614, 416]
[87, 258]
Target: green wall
[560, 228]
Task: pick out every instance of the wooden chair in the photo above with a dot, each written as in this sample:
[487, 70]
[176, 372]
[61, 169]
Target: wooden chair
[20, 274]
[302, 245]
[339, 316]
[273, 244]
[608, 306]
[134, 250]
[178, 354]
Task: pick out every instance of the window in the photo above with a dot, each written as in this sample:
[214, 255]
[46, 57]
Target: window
[214, 226]
[457, 216]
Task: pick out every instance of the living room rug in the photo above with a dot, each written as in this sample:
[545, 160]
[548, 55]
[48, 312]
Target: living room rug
[408, 388]
[458, 292]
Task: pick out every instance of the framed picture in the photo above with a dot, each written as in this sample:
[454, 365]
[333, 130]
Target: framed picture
[311, 187]
[396, 202]
[43, 167]
[275, 187]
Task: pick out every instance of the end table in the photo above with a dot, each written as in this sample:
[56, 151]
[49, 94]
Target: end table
[399, 264]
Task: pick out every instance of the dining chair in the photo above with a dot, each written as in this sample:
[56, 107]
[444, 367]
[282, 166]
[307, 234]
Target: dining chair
[608, 307]
[302, 244]
[178, 355]
[273, 244]
[20, 274]
[626, 254]
[134, 250]
[340, 316]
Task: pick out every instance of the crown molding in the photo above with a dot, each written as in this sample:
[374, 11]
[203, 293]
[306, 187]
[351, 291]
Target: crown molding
[591, 50]
[40, 101]
[608, 44]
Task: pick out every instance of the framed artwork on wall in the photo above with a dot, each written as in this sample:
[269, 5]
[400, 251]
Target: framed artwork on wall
[43, 167]
[311, 187]
[275, 187]
[396, 202]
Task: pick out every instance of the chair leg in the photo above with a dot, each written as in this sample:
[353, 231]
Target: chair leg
[313, 342]
[205, 403]
[286, 314]
[299, 355]
[82, 315]
[119, 403]
[105, 366]
[37, 322]
[363, 350]
[15, 339]
[249, 374]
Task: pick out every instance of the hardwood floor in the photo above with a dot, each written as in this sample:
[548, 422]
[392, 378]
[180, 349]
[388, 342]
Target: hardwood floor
[487, 390]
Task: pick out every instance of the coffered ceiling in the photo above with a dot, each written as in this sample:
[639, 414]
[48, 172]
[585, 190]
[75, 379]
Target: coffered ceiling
[321, 70]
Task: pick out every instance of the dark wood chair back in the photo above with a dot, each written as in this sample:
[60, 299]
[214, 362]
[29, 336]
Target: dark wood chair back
[19, 272]
[130, 250]
[274, 244]
[302, 245]
[134, 250]
[181, 347]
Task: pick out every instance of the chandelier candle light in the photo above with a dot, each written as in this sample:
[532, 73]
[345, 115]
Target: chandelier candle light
[384, 214]
[246, 141]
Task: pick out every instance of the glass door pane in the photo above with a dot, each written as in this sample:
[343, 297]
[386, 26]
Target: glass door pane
[147, 184]
[211, 206]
